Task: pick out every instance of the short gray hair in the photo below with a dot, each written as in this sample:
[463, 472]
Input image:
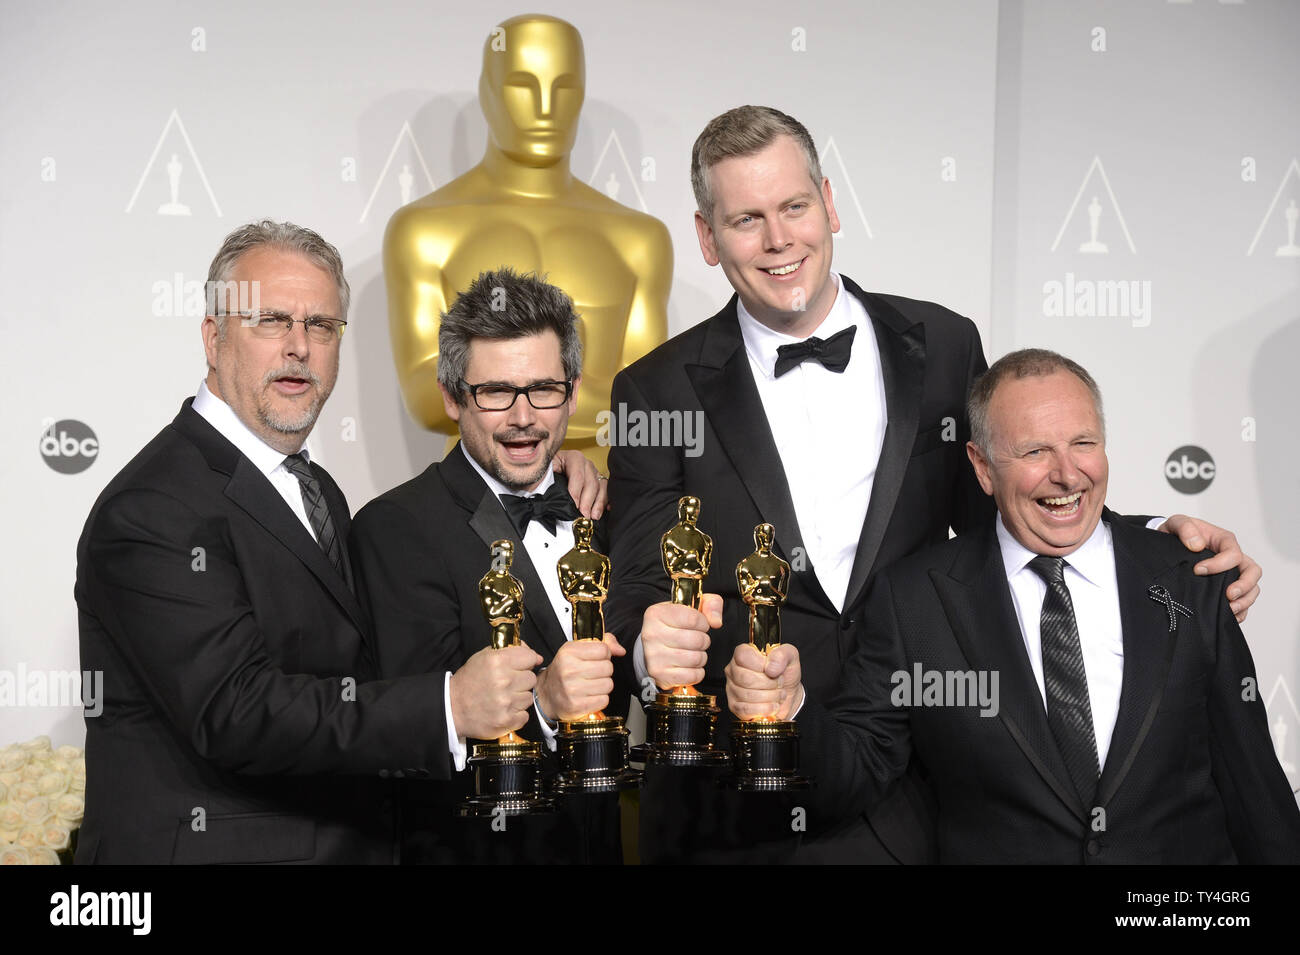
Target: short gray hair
[1025, 363]
[279, 235]
[744, 131]
[503, 304]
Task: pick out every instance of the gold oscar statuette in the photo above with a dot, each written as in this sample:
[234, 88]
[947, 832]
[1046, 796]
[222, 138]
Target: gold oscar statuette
[593, 748]
[523, 207]
[507, 773]
[765, 750]
[680, 722]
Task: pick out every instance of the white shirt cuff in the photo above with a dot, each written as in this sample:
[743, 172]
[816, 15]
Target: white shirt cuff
[638, 662]
[455, 742]
[1155, 522]
[548, 731]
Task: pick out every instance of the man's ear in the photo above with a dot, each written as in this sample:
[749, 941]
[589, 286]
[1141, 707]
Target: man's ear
[981, 465]
[210, 333]
[708, 248]
[828, 197]
[452, 407]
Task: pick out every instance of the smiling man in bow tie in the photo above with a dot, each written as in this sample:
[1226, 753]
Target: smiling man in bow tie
[509, 367]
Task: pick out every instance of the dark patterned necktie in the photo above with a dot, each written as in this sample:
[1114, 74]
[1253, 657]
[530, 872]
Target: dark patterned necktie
[1069, 710]
[318, 512]
[546, 509]
[833, 353]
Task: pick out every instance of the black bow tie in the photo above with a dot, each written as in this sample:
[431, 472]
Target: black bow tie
[546, 509]
[833, 352]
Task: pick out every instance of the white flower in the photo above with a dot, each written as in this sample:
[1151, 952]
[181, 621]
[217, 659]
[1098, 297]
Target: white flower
[70, 808]
[39, 744]
[24, 792]
[69, 753]
[30, 837]
[13, 760]
[11, 777]
[55, 834]
[14, 855]
[77, 784]
[8, 835]
[11, 816]
[42, 855]
[38, 809]
[52, 784]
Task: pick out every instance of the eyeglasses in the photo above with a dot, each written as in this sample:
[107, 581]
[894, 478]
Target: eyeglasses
[493, 396]
[323, 331]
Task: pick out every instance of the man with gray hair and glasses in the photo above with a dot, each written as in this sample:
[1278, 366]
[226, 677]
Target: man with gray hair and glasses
[242, 722]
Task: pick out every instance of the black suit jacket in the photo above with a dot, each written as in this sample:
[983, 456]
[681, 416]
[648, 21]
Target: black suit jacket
[235, 665]
[419, 551]
[923, 485]
[1191, 775]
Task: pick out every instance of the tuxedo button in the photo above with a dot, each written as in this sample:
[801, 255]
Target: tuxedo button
[1093, 847]
[383, 774]
[846, 623]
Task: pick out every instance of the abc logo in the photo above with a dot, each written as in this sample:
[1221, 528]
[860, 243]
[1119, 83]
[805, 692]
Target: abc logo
[1189, 469]
[69, 446]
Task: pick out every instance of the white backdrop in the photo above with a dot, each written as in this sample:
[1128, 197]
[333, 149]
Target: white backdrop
[966, 142]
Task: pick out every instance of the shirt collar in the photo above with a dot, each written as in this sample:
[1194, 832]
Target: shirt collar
[497, 488]
[222, 417]
[762, 342]
[1091, 560]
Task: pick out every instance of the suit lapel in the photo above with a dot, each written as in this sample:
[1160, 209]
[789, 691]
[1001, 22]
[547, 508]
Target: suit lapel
[724, 384]
[902, 363]
[488, 519]
[256, 496]
[977, 602]
[1148, 651]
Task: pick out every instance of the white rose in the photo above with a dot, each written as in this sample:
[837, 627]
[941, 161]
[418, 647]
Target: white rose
[13, 760]
[38, 809]
[57, 765]
[4, 792]
[42, 855]
[34, 770]
[14, 855]
[11, 816]
[39, 744]
[8, 835]
[24, 792]
[55, 834]
[52, 784]
[29, 837]
[10, 778]
[70, 808]
[69, 753]
[78, 769]
[77, 784]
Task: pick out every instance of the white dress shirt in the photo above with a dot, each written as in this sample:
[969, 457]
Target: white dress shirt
[545, 551]
[1090, 578]
[264, 457]
[828, 428]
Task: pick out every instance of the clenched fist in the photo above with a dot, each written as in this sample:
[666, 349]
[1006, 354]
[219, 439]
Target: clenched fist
[761, 686]
[580, 679]
[675, 640]
[492, 693]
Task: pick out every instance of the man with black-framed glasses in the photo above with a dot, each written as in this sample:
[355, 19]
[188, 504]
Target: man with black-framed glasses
[509, 368]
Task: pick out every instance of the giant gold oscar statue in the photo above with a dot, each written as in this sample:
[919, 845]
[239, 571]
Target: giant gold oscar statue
[592, 748]
[507, 773]
[680, 722]
[764, 751]
[522, 207]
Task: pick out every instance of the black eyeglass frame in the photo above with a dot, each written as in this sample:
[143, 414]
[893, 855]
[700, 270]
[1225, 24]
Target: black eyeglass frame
[526, 390]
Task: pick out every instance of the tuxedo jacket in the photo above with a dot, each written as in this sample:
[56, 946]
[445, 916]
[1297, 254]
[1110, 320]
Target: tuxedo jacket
[238, 724]
[420, 551]
[923, 484]
[1191, 775]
